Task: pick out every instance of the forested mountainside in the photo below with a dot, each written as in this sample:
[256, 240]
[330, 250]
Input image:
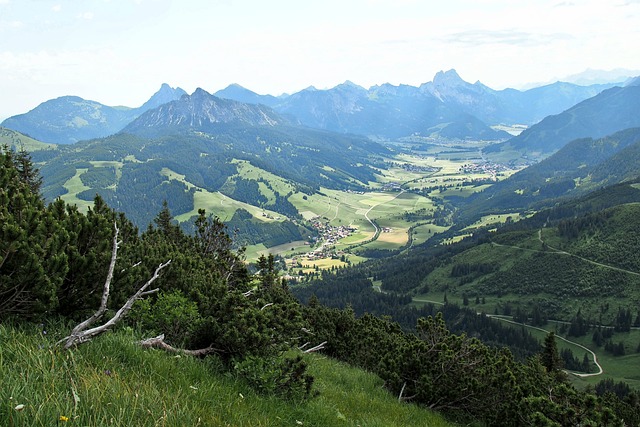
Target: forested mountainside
[558, 259]
[195, 154]
[245, 322]
[610, 111]
[581, 166]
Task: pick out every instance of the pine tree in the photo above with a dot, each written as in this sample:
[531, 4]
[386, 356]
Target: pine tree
[550, 357]
[29, 174]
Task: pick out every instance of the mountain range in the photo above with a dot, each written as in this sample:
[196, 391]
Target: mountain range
[69, 119]
[194, 148]
[447, 107]
[610, 111]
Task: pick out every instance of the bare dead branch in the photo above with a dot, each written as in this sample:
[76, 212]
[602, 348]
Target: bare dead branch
[158, 342]
[402, 391]
[152, 291]
[266, 305]
[77, 331]
[316, 348]
[81, 333]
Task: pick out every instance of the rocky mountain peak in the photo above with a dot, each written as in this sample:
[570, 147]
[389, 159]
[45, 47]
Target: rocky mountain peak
[448, 78]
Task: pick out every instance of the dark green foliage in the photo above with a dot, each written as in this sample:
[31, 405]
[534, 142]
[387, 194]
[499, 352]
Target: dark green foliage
[455, 373]
[465, 269]
[352, 289]
[550, 358]
[171, 314]
[247, 191]
[32, 259]
[250, 231]
[282, 376]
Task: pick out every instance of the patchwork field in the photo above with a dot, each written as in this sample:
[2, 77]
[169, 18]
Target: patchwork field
[396, 212]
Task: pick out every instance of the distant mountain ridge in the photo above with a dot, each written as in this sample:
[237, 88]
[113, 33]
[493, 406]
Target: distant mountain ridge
[69, 119]
[447, 107]
[389, 111]
[610, 111]
[200, 111]
[381, 112]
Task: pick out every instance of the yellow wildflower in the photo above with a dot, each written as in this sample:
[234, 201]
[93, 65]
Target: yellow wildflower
[63, 418]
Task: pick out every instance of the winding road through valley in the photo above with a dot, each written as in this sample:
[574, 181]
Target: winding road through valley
[578, 374]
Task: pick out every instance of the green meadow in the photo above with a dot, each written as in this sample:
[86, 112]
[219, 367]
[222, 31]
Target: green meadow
[113, 381]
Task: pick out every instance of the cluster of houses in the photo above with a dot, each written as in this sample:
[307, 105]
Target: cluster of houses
[492, 169]
[329, 234]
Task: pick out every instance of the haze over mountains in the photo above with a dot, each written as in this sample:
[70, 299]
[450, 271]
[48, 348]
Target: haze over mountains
[447, 107]
[70, 119]
[610, 111]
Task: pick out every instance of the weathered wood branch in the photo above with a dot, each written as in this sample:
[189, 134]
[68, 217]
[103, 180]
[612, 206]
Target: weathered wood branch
[81, 333]
[316, 348]
[402, 398]
[158, 342]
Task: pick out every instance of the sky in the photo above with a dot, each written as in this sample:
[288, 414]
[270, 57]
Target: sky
[119, 52]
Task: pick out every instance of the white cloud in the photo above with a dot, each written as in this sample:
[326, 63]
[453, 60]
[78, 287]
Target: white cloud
[86, 15]
[57, 8]
[11, 24]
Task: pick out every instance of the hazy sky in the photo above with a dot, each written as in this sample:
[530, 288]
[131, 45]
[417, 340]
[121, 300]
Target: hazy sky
[119, 52]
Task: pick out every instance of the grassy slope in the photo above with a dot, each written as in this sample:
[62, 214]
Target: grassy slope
[17, 141]
[111, 381]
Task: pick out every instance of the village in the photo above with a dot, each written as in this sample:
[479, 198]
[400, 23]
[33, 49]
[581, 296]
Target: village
[493, 169]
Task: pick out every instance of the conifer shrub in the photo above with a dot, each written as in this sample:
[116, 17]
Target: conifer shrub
[285, 377]
[171, 313]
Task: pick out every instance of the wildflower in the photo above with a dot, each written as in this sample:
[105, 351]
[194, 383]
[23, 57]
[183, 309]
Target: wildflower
[107, 372]
[63, 418]
[19, 407]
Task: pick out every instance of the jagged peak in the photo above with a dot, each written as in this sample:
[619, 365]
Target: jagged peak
[447, 77]
[350, 84]
[199, 92]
